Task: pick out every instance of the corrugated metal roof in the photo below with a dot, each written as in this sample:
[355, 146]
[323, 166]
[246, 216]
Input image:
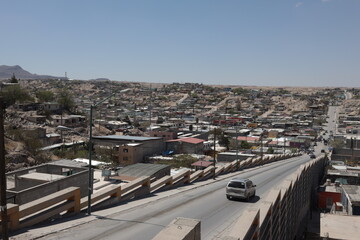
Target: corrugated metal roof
[127, 138]
[192, 140]
[354, 193]
[242, 138]
[188, 140]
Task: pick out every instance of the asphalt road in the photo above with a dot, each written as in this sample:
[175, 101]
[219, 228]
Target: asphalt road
[205, 201]
[332, 121]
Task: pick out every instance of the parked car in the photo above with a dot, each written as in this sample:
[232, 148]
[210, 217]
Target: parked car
[240, 188]
[312, 155]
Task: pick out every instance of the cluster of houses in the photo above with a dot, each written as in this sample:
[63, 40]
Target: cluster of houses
[179, 118]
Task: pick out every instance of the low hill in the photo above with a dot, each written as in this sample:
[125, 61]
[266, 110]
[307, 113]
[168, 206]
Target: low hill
[6, 72]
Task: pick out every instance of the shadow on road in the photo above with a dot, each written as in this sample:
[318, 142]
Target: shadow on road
[252, 200]
[128, 221]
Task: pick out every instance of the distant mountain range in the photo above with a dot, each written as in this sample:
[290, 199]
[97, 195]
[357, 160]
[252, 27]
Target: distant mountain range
[6, 72]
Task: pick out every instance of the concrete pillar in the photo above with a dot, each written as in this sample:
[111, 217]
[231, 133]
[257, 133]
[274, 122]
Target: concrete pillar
[180, 229]
[13, 214]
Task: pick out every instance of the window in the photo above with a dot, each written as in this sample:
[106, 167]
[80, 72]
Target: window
[237, 184]
[125, 158]
[126, 150]
[329, 202]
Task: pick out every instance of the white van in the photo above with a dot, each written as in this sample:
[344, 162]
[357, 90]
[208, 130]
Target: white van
[240, 188]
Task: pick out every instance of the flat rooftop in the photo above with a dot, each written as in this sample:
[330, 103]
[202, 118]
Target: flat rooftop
[354, 193]
[69, 163]
[333, 188]
[336, 226]
[342, 173]
[46, 177]
[141, 169]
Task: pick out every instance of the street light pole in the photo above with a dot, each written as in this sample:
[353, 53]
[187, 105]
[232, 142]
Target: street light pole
[262, 152]
[3, 184]
[237, 146]
[214, 150]
[90, 184]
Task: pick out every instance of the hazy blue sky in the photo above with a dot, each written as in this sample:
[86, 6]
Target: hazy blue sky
[243, 42]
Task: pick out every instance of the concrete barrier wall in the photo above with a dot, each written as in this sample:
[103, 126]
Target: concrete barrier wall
[112, 195]
[115, 194]
[283, 213]
[43, 208]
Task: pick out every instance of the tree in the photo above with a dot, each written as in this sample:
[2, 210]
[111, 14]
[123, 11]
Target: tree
[337, 143]
[160, 120]
[223, 139]
[13, 79]
[106, 155]
[240, 91]
[30, 141]
[13, 94]
[245, 145]
[216, 131]
[127, 120]
[45, 96]
[65, 99]
[270, 150]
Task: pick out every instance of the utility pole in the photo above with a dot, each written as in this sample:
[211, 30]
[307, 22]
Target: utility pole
[99, 121]
[237, 146]
[261, 144]
[4, 221]
[352, 149]
[150, 107]
[284, 144]
[90, 183]
[214, 150]
[61, 131]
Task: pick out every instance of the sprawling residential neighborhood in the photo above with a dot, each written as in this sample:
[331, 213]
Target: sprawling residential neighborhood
[58, 129]
[176, 118]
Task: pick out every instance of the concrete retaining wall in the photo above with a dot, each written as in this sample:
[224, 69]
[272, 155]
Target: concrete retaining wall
[283, 214]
